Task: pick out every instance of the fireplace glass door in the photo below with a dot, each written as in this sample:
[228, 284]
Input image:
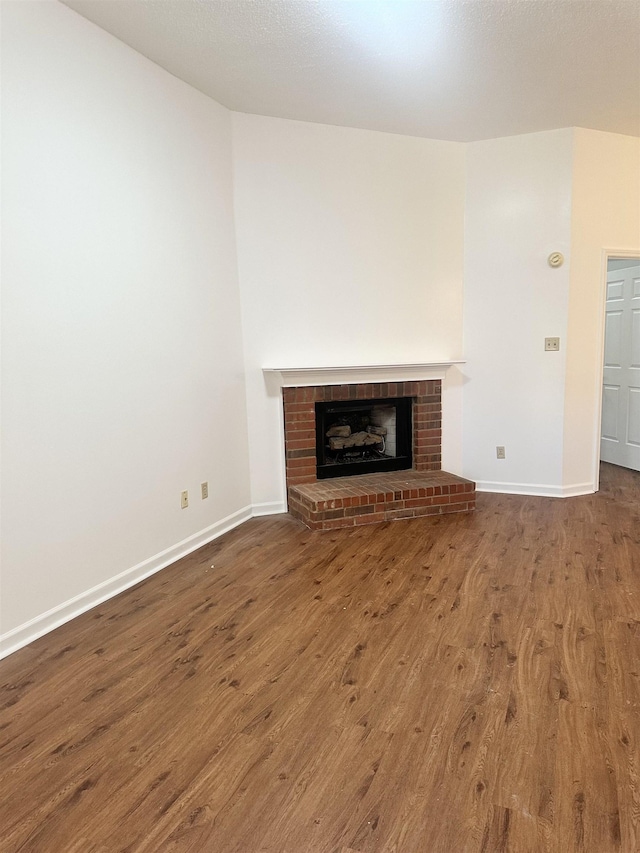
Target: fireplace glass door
[363, 436]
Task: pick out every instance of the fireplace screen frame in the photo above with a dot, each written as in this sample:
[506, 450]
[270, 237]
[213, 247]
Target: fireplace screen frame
[403, 459]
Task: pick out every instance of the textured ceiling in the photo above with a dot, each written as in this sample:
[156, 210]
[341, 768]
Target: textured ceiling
[444, 69]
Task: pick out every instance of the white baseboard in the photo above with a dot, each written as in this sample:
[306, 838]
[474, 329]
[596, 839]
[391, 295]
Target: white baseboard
[40, 625]
[270, 508]
[578, 489]
[536, 489]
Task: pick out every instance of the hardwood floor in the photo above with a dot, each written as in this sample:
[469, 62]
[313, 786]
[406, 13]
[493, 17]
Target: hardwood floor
[461, 684]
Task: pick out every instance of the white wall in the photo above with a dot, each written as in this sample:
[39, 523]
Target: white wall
[606, 215]
[518, 210]
[122, 372]
[350, 247]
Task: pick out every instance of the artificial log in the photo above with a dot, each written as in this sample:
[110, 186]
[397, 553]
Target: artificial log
[358, 439]
[339, 431]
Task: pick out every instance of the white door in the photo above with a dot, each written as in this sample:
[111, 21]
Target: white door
[620, 440]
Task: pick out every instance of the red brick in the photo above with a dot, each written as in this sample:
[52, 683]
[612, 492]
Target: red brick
[427, 510]
[290, 408]
[300, 434]
[301, 479]
[334, 503]
[304, 429]
[304, 453]
[413, 502]
[399, 513]
[331, 513]
[299, 444]
[300, 463]
[374, 518]
[302, 415]
[425, 416]
[359, 510]
[431, 450]
[428, 439]
[426, 462]
[455, 508]
[297, 476]
[336, 523]
[395, 505]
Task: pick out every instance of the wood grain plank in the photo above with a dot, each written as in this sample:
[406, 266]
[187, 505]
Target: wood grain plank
[587, 811]
[463, 684]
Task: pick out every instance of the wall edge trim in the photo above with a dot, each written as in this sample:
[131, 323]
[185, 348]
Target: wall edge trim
[48, 621]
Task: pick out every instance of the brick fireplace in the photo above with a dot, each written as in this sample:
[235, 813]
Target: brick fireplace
[369, 498]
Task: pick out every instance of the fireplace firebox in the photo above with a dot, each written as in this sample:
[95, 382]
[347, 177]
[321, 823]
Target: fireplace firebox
[363, 436]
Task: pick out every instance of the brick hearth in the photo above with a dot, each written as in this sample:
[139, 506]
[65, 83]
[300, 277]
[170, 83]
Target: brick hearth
[370, 498]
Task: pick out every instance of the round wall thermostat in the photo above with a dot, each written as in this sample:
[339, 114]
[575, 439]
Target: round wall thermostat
[555, 259]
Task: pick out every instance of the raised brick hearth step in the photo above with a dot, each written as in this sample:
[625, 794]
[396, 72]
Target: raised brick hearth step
[371, 498]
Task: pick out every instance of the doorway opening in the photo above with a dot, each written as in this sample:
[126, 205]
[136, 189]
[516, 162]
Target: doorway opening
[620, 407]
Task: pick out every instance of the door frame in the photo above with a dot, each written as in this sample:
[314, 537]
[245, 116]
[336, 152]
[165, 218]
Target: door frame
[606, 255]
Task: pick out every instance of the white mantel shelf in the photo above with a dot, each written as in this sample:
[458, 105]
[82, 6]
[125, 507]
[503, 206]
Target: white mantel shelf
[297, 377]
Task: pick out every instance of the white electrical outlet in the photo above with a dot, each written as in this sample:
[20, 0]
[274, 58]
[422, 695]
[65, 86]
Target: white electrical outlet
[204, 488]
[551, 344]
[500, 454]
[184, 499]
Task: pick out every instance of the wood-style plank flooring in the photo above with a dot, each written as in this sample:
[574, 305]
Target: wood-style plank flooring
[449, 685]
